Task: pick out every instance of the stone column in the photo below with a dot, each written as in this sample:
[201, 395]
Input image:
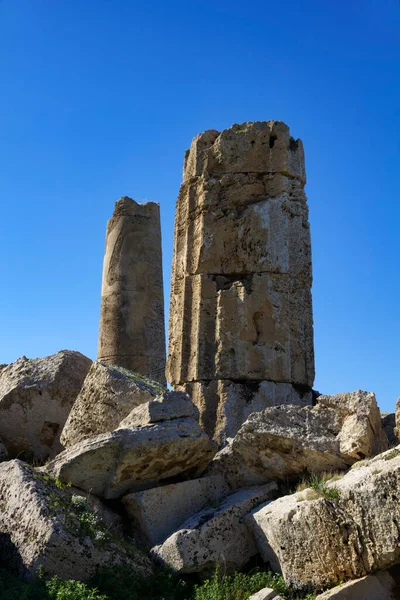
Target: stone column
[241, 327]
[132, 330]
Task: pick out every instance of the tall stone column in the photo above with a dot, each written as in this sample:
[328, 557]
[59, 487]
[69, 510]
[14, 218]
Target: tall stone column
[241, 326]
[132, 330]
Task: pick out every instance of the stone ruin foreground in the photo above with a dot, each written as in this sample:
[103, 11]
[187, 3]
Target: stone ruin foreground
[132, 331]
[240, 324]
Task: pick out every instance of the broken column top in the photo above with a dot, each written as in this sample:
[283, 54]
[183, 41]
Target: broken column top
[259, 147]
[126, 206]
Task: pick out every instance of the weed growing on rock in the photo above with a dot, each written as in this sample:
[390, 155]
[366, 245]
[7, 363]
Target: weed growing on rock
[140, 380]
[392, 454]
[316, 487]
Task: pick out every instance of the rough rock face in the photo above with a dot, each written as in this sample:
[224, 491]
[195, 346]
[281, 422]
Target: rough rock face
[36, 396]
[110, 464]
[372, 587]
[225, 405]
[285, 441]
[266, 594]
[214, 537]
[3, 452]
[132, 331]
[108, 395]
[170, 405]
[157, 512]
[320, 542]
[241, 309]
[39, 528]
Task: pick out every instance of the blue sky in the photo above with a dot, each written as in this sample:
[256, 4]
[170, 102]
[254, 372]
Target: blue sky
[100, 98]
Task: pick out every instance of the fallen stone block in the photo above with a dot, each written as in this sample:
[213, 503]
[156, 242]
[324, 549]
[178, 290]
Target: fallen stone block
[45, 526]
[225, 405]
[36, 396]
[372, 587]
[215, 536]
[346, 530]
[108, 395]
[157, 512]
[168, 406]
[286, 441]
[111, 464]
[266, 594]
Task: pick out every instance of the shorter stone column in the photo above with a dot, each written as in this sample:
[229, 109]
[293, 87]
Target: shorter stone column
[132, 329]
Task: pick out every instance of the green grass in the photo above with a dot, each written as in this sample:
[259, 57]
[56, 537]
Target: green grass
[318, 488]
[123, 584]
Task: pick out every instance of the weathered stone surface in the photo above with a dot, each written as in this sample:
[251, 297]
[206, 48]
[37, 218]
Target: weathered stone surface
[229, 466]
[111, 464]
[170, 405]
[108, 395]
[257, 233]
[260, 147]
[132, 332]
[241, 307]
[252, 327]
[214, 537]
[225, 405]
[157, 512]
[39, 528]
[389, 426]
[36, 396]
[266, 594]
[286, 441]
[372, 587]
[320, 542]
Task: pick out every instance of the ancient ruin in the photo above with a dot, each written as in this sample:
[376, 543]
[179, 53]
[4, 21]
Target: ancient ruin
[103, 469]
[240, 325]
[132, 330]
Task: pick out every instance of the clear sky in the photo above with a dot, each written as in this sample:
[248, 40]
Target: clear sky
[100, 98]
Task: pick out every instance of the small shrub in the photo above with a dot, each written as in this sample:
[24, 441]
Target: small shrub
[240, 586]
[71, 590]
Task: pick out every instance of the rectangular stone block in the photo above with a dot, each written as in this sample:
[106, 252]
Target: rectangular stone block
[157, 512]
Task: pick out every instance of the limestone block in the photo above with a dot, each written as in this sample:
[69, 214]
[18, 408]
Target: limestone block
[362, 434]
[111, 464]
[157, 512]
[266, 235]
[108, 395]
[214, 537]
[372, 587]
[225, 405]
[229, 466]
[265, 594]
[170, 405]
[285, 441]
[132, 331]
[252, 328]
[36, 396]
[261, 147]
[320, 542]
[39, 529]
